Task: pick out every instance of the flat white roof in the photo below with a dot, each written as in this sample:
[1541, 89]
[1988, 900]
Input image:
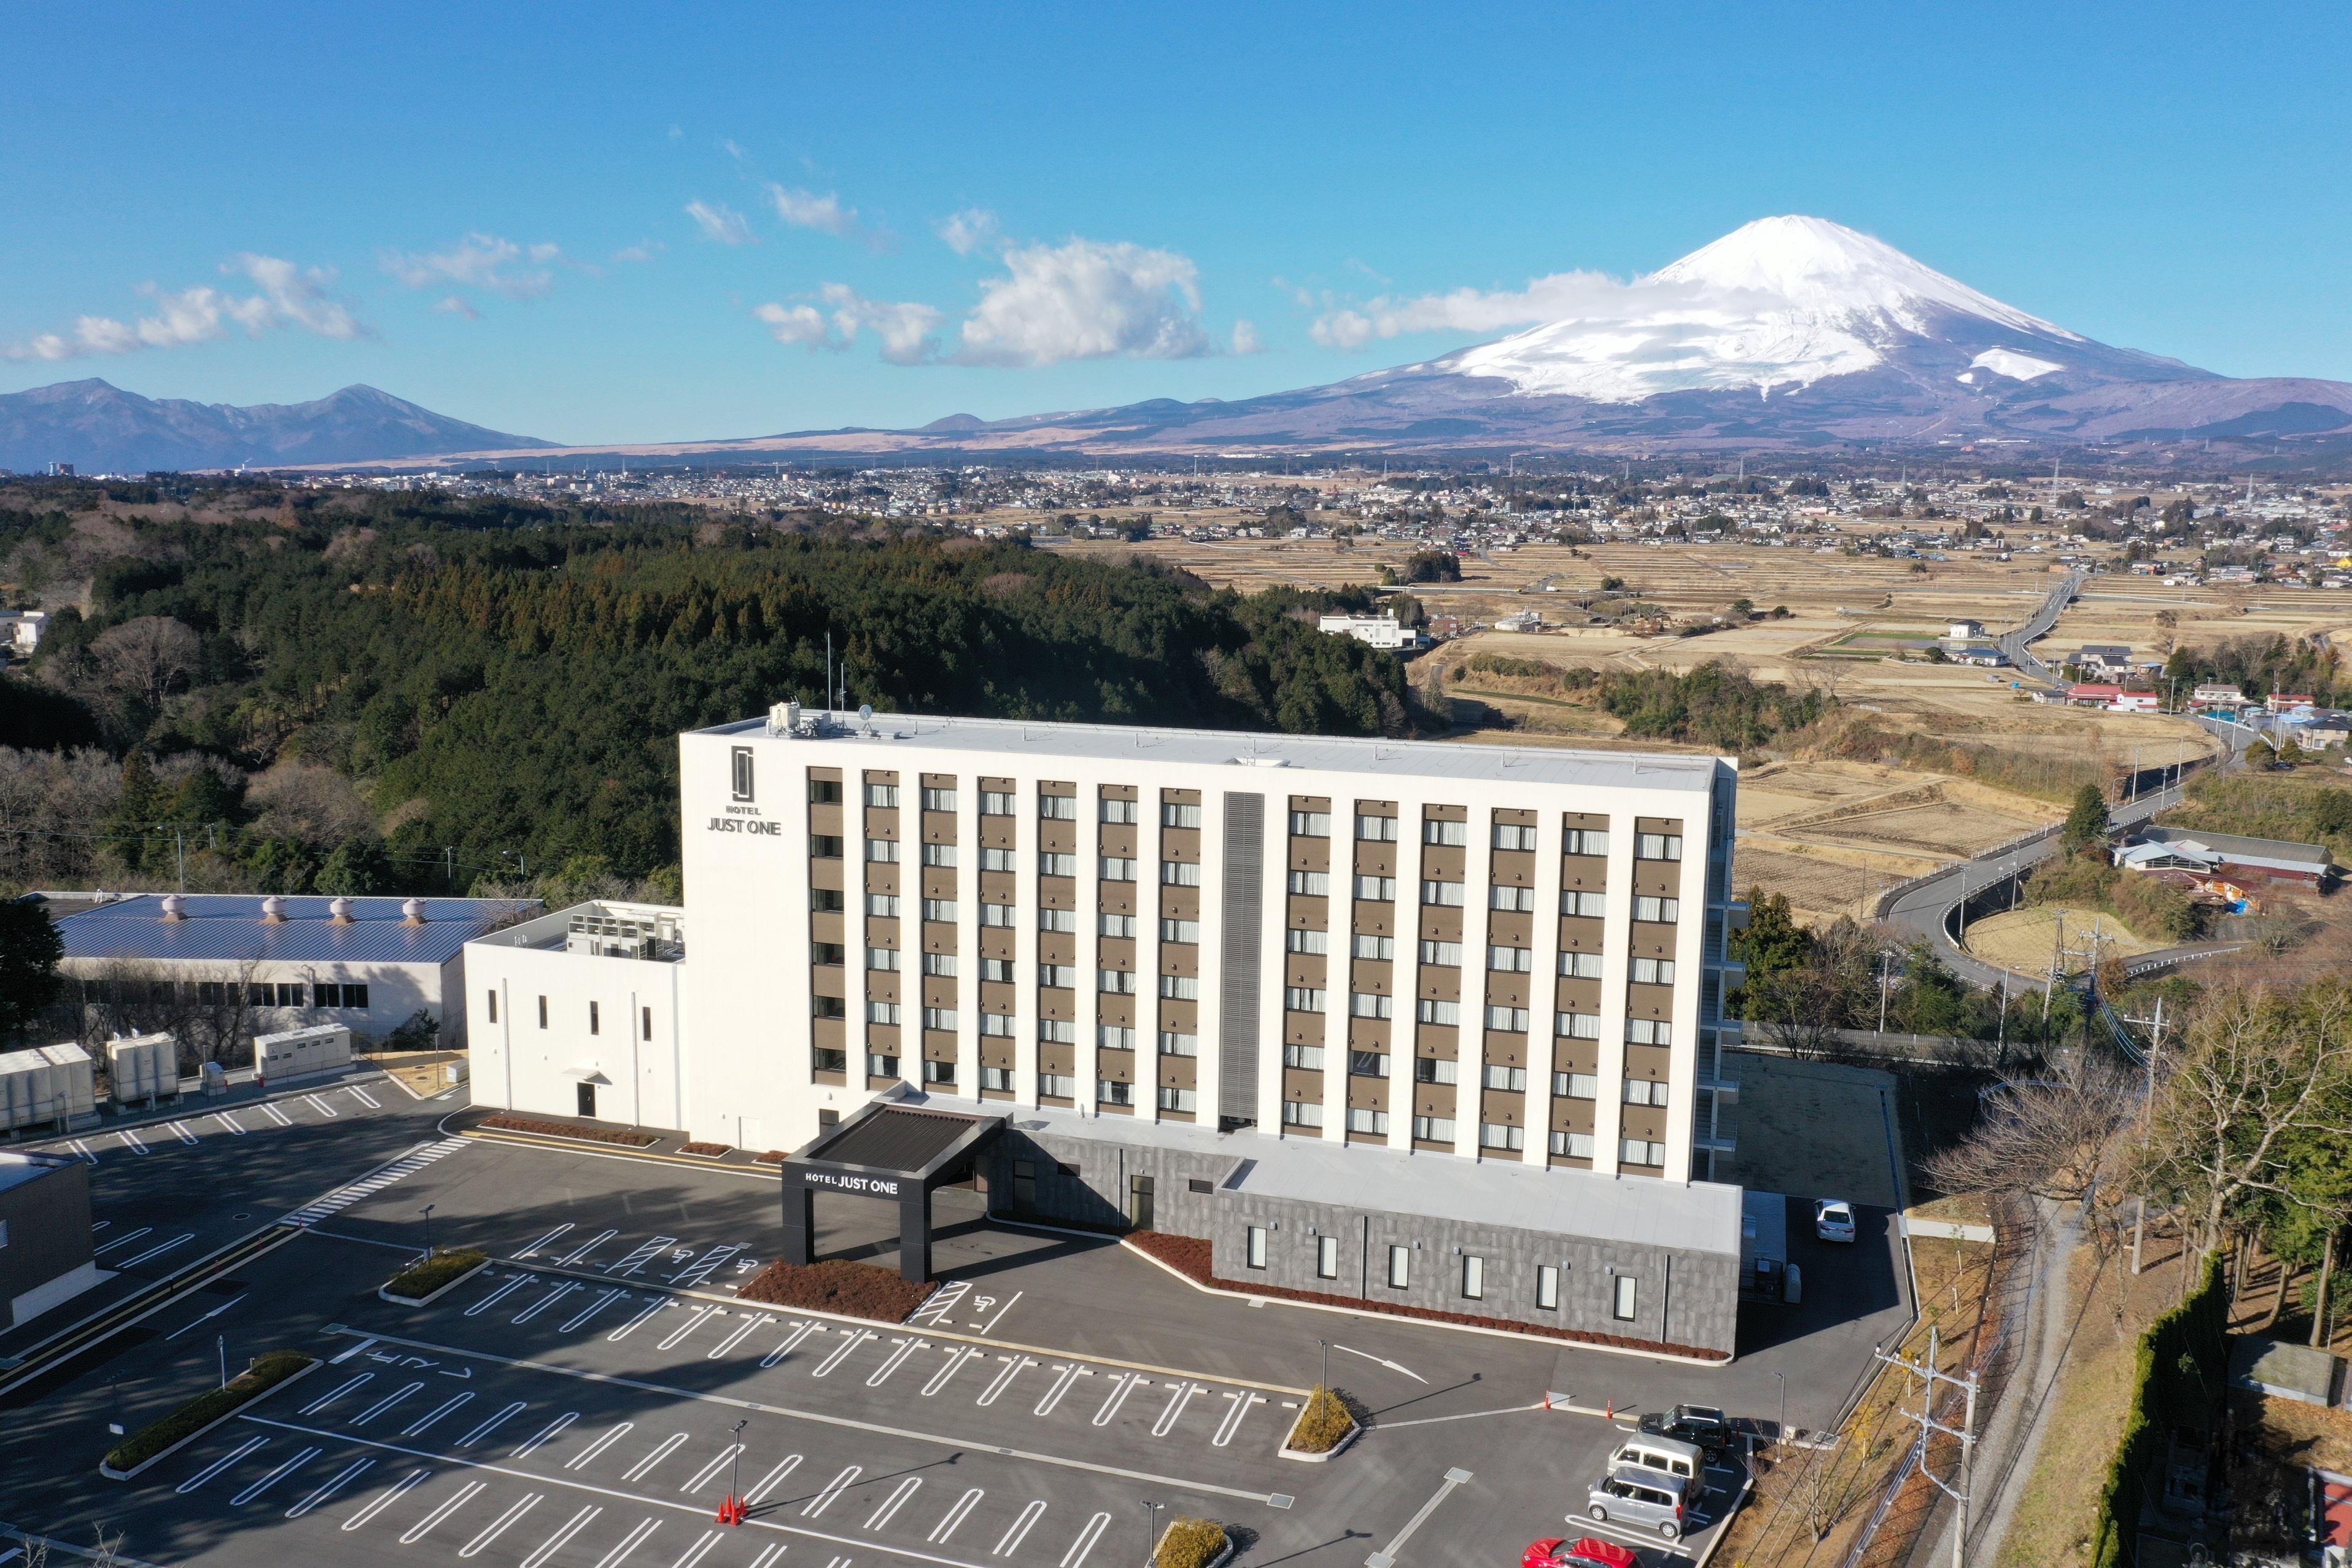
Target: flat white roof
[1038, 743]
[1700, 1217]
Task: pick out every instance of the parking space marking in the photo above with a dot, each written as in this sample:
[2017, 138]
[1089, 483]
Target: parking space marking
[895, 1358]
[498, 1526]
[694, 1273]
[121, 1241]
[1054, 1395]
[703, 1477]
[661, 1451]
[439, 1412]
[158, 1250]
[551, 1430]
[612, 1435]
[772, 1479]
[456, 1500]
[563, 1289]
[1176, 1403]
[694, 1318]
[989, 1327]
[500, 1294]
[628, 1544]
[598, 1305]
[1077, 1554]
[321, 1106]
[381, 1406]
[1013, 1364]
[625, 1330]
[231, 1123]
[957, 1356]
[330, 1488]
[851, 1339]
[555, 1543]
[364, 1098]
[694, 1553]
[397, 1490]
[1018, 1530]
[1126, 1384]
[276, 1115]
[266, 1482]
[1232, 1421]
[768, 1554]
[640, 1257]
[586, 1248]
[888, 1509]
[82, 1149]
[532, 1250]
[131, 1141]
[737, 1338]
[933, 1313]
[492, 1425]
[955, 1515]
[180, 1128]
[833, 1490]
[217, 1466]
[800, 1332]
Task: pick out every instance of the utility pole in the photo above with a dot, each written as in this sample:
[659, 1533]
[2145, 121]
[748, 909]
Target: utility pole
[1884, 955]
[1966, 1432]
[2147, 1113]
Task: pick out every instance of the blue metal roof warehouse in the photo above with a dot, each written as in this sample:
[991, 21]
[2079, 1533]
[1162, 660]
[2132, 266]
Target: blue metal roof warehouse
[229, 927]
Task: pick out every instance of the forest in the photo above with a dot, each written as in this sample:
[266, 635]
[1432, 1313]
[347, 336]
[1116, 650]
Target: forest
[351, 692]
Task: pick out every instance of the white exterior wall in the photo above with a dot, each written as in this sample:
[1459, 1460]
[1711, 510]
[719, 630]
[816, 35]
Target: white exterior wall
[396, 991]
[518, 1066]
[749, 989]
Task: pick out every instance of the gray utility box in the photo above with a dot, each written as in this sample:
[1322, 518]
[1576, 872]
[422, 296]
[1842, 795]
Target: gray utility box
[297, 1053]
[143, 1069]
[46, 1086]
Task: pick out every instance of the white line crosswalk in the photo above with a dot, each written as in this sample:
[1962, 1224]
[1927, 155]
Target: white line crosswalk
[343, 1197]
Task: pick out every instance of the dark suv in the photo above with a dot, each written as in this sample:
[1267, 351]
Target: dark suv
[1701, 1425]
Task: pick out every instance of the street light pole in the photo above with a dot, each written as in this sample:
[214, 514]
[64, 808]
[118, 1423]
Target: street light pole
[1780, 1428]
[429, 1233]
[1150, 1531]
[1326, 1362]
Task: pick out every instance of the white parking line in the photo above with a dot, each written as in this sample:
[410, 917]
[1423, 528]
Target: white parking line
[364, 1098]
[1054, 1395]
[321, 1106]
[768, 1555]
[385, 1500]
[82, 1149]
[1018, 1530]
[121, 1241]
[612, 1435]
[131, 1141]
[217, 1466]
[800, 1332]
[266, 1482]
[989, 1327]
[703, 1477]
[458, 1499]
[640, 1257]
[1232, 1421]
[275, 1114]
[1126, 1384]
[701, 1268]
[954, 1516]
[322, 1402]
[208, 1316]
[500, 1294]
[1176, 1403]
[330, 1488]
[381, 1406]
[933, 1313]
[594, 1307]
[1012, 1368]
[231, 1123]
[563, 1289]
[492, 1425]
[586, 1248]
[694, 1553]
[695, 1319]
[851, 1339]
[444, 1409]
[555, 1543]
[956, 1359]
[498, 1526]
[889, 1506]
[833, 1490]
[731, 1340]
[628, 1544]
[532, 1250]
[158, 1251]
[552, 1429]
[895, 1360]
[181, 1129]
[1084, 1543]
[772, 1479]
[661, 1450]
[625, 1330]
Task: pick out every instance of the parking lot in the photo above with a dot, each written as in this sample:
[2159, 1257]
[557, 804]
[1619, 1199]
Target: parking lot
[577, 1403]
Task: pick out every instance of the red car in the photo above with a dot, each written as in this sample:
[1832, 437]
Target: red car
[1586, 1552]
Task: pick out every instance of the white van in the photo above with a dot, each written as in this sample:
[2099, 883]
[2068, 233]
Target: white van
[1685, 1461]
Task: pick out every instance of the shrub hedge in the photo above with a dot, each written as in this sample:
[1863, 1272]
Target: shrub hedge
[837, 1285]
[1322, 1424]
[2180, 1371]
[265, 1373]
[1191, 1544]
[421, 1279]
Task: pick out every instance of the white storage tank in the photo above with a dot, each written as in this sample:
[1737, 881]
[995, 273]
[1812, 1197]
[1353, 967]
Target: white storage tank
[45, 1084]
[296, 1053]
[144, 1068]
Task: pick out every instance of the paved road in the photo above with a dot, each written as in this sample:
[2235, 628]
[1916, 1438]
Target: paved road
[2019, 644]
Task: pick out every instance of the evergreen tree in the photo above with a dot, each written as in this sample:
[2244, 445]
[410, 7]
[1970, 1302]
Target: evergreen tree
[2086, 824]
[357, 867]
[1773, 940]
[30, 947]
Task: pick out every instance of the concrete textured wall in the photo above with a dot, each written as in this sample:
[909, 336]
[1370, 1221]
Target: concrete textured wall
[49, 1229]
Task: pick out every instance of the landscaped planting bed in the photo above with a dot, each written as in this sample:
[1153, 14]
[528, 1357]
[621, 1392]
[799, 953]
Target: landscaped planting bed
[569, 1130]
[837, 1285]
[772, 1157]
[1191, 1543]
[265, 1373]
[421, 1279]
[1321, 1425]
[708, 1151]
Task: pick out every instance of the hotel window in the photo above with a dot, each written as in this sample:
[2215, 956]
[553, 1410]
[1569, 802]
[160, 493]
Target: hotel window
[941, 1018]
[1117, 870]
[1511, 1078]
[1057, 1031]
[1256, 1256]
[1399, 1267]
[494, 1006]
[1637, 1152]
[879, 1066]
[995, 803]
[1000, 916]
[1433, 1129]
[1327, 1258]
[1298, 998]
[1301, 1113]
[1311, 825]
[1118, 982]
[1172, 814]
[1644, 1091]
[1592, 906]
[828, 1007]
[1112, 925]
[1368, 1064]
[1118, 810]
[1179, 874]
[1311, 884]
[825, 847]
[999, 860]
[1654, 971]
[1448, 1014]
[1580, 965]
[997, 1023]
[1063, 920]
[1184, 988]
[1184, 1101]
[1657, 846]
[1505, 897]
[882, 796]
[940, 963]
[938, 1072]
[825, 1060]
[999, 970]
[1380, 949]
[824, 791]
[595, 1019]
[998, 1078]
[882, 1013]
[1375, 1123]
[1058, 808]
[1474, 1277]
[1367, 1004]
[1049, 865]
[1584, 841]
[1665, 912]
[882, 851]
[1649, 1032]
[1451, 835]
[1376, 829]
[1110, 1093]
[1306, 1058]
[882, 958]
[881, 906]
[1508, 1020]
[1376, 890]
[1548, 1286]
[1173, 1044]
[1057, 1086]
[648, 1023]
[1508, 837]
[1576, 1085]
[1622, 1306]
[1435, 1070]
[542, 1012]
[1445, 954]
[1575, 1145]
[1498, 1135]
[1185, 932]
[1443, 895]
[939, 800]
[1057, 977]
[939, 855]
[1511, 960]
[1576, 1025]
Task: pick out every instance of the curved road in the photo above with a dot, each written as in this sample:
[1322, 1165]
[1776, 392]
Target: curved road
[2018, 644]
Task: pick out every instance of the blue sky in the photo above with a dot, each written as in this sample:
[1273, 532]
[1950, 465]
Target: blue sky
[600, 223]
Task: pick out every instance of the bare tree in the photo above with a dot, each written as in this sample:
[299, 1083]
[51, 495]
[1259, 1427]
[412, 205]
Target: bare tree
[2048, 1138]
[147, 657]
[212, 1011]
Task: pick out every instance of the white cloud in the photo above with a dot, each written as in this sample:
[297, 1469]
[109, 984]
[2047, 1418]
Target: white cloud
[805, 209]
[721, 221]
[643, 251]
[1558, 297]
[905, 327]
[457, 305]
[974, 229]
[1246, 339]
[291, 297]
[478, 261]
[1086, 299]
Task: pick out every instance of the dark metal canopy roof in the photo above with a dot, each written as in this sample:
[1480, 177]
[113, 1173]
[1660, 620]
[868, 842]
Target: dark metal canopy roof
[890, 1137]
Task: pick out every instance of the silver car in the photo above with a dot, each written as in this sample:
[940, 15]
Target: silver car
[1644, 1497]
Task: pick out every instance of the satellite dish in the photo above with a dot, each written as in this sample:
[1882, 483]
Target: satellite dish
[865, 710]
